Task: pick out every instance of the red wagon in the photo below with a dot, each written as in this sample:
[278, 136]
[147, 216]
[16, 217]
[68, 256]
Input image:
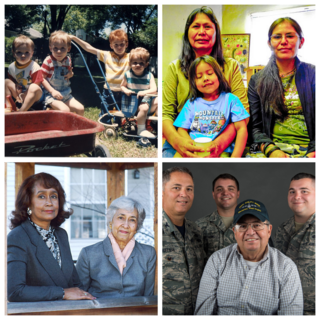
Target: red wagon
[51, 134]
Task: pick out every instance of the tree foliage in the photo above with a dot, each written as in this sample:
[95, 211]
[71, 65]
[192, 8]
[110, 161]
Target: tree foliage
[135, 18]
[139, 21]
[8, 48]
[20, 17]
[141, 24]
[57, 16]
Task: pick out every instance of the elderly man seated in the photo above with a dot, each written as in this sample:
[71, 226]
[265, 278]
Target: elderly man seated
[250, 277]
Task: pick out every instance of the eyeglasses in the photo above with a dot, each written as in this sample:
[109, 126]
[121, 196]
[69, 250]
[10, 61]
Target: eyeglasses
[256, 226]
[136, 63]
[290, 37]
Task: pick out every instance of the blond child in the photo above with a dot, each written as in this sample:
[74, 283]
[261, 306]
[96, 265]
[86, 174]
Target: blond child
[25, 76]
[116, 61]
[57, 70]
[141, 81]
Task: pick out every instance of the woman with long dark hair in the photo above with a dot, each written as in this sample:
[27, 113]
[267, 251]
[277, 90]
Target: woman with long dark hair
[40, 265]
[202, 36]
[282, 98]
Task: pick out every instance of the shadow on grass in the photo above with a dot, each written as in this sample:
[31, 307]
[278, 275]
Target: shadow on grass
[83, 89]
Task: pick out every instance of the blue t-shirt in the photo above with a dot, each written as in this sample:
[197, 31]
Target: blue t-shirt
[210, 118]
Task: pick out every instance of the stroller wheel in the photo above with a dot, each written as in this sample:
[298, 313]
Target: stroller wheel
[144, 143]
[110, 133]
[101, 151]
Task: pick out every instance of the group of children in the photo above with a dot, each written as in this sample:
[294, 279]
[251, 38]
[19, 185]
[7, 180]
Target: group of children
[125, 72]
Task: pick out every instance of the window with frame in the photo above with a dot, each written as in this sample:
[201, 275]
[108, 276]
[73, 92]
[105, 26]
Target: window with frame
[140, 186]
[88, 199]
[261, 22]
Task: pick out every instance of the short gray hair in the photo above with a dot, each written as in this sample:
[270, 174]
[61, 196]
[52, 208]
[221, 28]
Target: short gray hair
[128, 204]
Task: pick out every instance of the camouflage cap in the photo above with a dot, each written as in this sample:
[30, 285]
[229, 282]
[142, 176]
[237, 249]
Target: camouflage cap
[253, 207]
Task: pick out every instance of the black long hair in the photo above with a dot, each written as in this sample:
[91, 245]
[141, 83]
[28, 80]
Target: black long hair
[187, 54]
[269, 85]
[223, 83]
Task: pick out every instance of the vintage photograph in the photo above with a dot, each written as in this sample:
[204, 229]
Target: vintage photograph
[96, 65]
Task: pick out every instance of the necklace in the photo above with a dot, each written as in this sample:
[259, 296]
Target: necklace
[288, 73]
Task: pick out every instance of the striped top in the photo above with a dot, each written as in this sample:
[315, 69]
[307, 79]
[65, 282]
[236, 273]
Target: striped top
[115, 68]
[48, 65]
[138, 83]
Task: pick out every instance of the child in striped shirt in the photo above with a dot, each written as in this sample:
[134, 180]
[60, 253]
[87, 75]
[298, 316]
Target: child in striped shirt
[140, 81]
[56, 70]
[116, 61]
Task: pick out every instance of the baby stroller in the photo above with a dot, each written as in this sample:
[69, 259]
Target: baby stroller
[115, 120]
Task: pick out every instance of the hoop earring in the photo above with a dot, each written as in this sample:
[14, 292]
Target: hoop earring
[29, 211]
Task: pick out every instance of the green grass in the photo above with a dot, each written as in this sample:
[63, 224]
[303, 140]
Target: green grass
[84, 91]
[119, 148]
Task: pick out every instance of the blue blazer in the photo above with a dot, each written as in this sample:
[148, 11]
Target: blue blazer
[33, 273]
[100, 275]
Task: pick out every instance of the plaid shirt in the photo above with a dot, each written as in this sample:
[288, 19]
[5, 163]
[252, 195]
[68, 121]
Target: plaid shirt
[229, 286]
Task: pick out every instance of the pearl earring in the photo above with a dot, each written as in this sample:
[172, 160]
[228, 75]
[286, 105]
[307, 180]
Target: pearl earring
[29, 211]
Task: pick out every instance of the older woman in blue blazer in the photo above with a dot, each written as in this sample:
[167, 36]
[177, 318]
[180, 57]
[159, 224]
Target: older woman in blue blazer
[119, 266]
[40, 265]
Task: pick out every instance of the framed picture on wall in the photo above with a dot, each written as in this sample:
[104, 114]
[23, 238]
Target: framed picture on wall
[237, 46]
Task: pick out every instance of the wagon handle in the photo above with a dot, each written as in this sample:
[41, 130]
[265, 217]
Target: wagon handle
[94, 83]
[85, 63]
[105, 79]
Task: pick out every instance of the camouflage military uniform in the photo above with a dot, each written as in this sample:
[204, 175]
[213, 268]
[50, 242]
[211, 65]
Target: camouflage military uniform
[182, 267]
[215, 234]
[301, 248]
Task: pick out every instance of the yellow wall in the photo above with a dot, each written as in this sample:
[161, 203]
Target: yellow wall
[235, 19]
[174, 19]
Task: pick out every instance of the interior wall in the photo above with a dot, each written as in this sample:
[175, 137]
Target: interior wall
[174, 19]
[236, 19]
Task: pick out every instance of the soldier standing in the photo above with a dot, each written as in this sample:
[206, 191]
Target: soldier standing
[183, 255]
[296, 237]
[217, 226]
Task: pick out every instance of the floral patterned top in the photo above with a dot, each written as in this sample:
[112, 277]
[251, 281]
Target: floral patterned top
[50, 240]
[293, 129]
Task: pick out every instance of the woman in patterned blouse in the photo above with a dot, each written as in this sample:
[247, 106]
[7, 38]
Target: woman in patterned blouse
[40, 265]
